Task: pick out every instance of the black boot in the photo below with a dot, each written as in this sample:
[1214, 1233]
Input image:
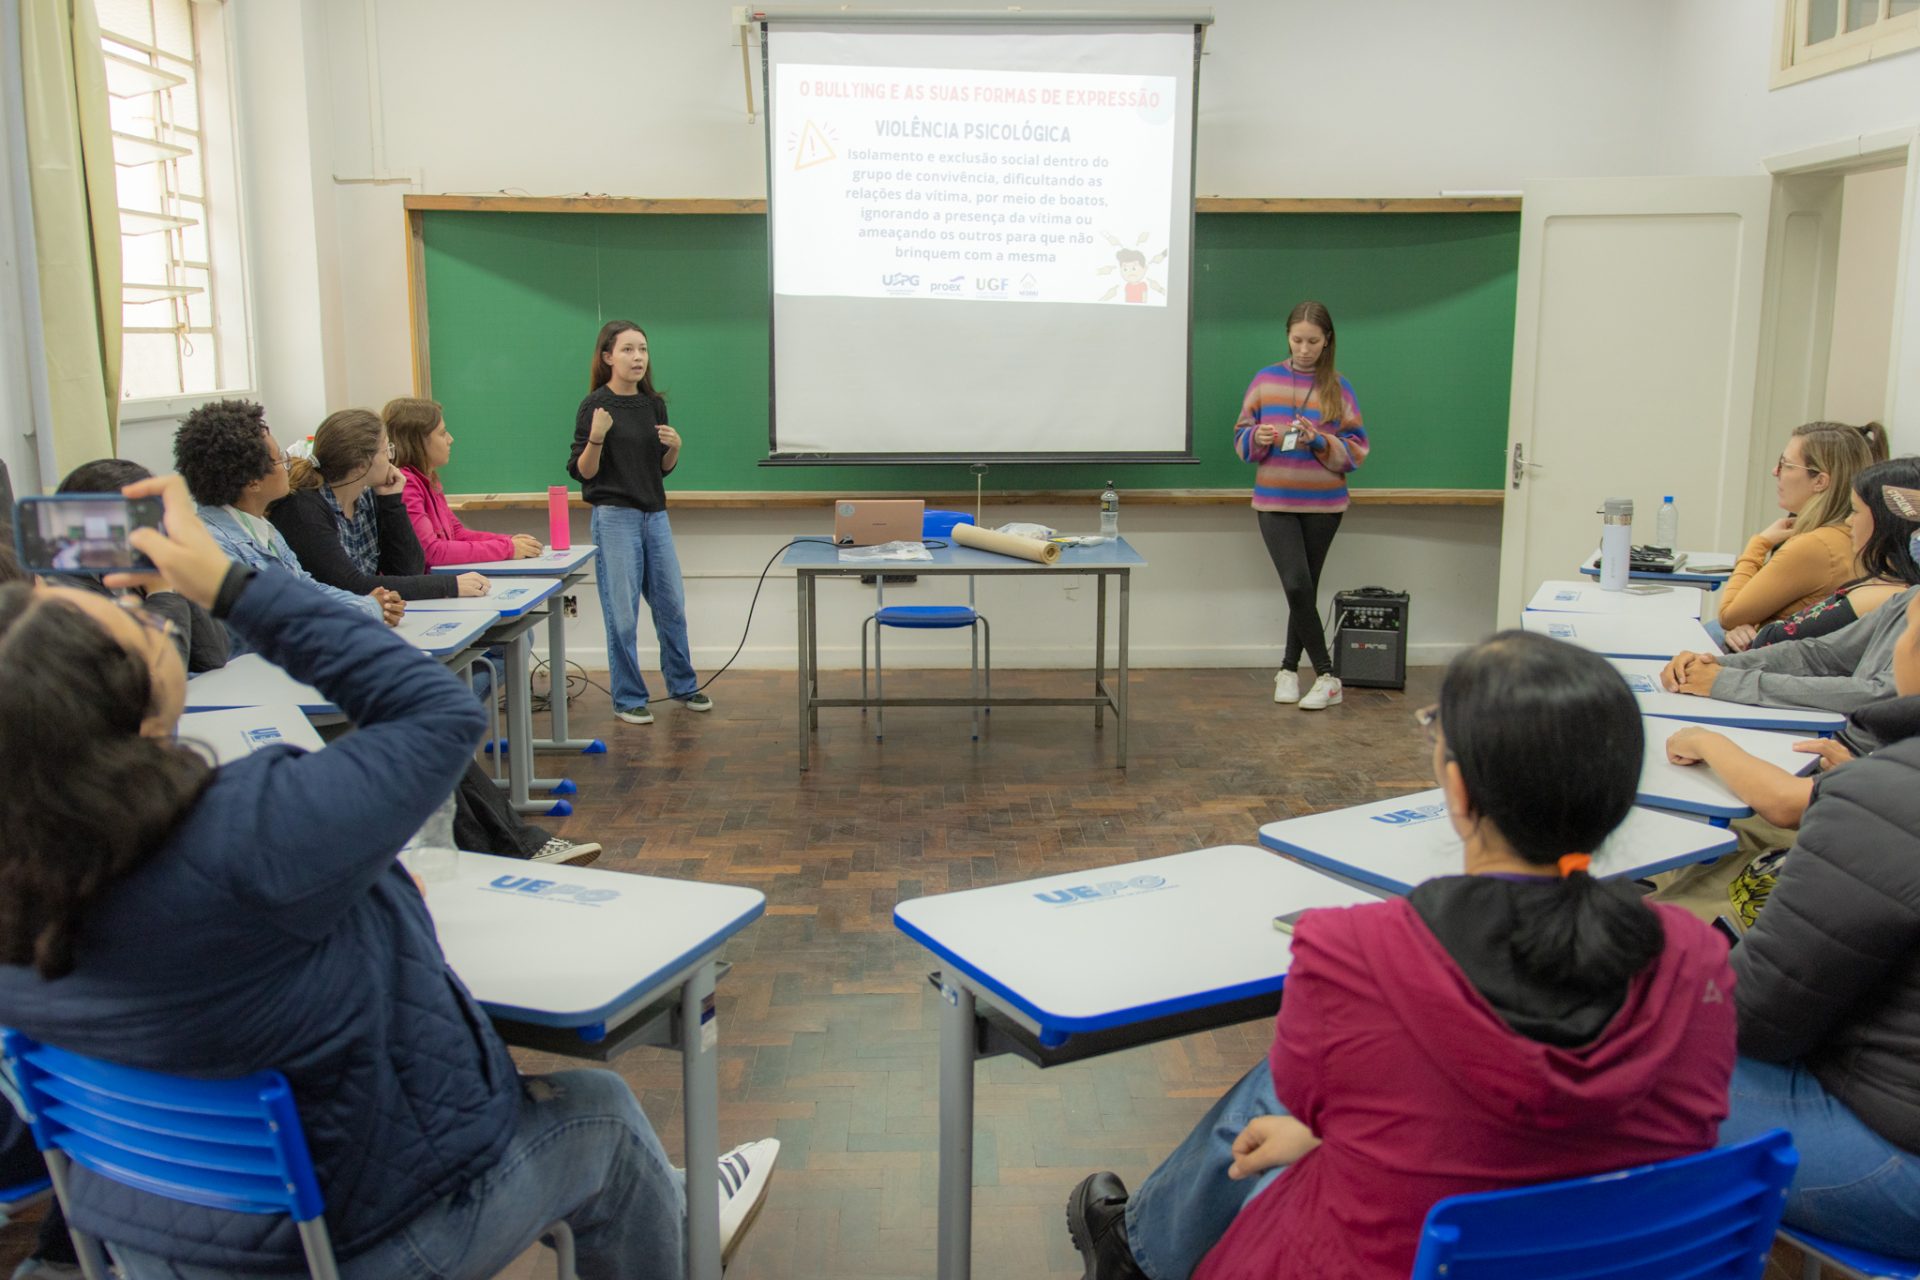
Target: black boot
[1097, 1221]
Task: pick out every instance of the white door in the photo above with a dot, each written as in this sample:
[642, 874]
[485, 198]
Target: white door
[1634, 363]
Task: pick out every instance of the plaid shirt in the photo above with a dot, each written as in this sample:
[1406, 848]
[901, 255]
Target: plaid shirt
[360, 534]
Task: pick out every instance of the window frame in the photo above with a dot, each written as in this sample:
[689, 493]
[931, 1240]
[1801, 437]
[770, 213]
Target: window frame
[1796, 61]
[230, 299]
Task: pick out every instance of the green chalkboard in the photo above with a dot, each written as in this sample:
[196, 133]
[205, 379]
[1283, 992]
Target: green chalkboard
[1424, 304]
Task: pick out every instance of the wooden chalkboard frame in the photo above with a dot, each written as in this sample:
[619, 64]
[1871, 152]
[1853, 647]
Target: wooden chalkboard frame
[414, 206]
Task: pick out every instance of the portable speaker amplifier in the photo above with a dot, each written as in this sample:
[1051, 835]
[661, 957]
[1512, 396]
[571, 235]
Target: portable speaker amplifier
[1370, 638]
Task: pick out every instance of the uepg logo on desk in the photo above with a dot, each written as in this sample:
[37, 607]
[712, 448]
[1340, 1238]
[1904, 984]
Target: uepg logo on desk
[552, 890]
[1407, 817]
[1106, 890]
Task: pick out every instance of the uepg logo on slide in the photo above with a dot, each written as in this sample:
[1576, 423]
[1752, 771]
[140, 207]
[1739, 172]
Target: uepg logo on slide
[1408, 817]
[898, 283]
[1105, 891]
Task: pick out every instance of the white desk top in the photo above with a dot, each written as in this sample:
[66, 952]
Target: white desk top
[251, 681]
[550, 564]
[573, 946]
[1710, 578]
[1643, 677]
[1397, 844]
[1623, 637]
[508, 599]
[1694, 788]
[1639, 600]
[238, 733]
[819, 555]
[442, 633]
[1112, 946]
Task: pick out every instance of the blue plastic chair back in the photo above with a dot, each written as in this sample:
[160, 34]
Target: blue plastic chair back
[1710, 1215]
[939, 524]
[235, 1145]
[1847, 1262]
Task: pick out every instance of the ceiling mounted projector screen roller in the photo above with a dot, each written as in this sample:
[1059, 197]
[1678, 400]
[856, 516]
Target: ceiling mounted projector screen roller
[981, 235]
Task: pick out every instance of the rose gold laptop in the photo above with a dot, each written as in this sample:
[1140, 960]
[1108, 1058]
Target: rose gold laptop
[866, 522]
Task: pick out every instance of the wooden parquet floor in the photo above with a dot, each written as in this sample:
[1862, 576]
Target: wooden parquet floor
[827, 1026]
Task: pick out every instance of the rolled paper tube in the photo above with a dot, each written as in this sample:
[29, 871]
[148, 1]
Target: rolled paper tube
[1006, 544]
[559, 522]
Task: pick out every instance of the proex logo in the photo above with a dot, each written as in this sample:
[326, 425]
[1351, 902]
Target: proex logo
[552, 890]
[1074, 895]
[946, 286]
[1407, 817]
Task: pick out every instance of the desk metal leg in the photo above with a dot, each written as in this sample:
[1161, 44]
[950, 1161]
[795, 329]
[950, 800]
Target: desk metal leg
[520, 779]
[700, 1082]
[813, 654]
[1126, 594]
[955, 1240]
[1100, 649]
[557, 679]
[801, 676]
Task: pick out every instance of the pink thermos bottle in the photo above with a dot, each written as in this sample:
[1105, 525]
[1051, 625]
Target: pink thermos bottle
[559, 536]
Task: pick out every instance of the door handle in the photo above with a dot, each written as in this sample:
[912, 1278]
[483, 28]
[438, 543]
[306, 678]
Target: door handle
[1520, 464]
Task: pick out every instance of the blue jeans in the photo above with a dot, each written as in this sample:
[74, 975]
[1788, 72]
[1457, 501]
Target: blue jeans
[1187, 1204]
[1853, 1186]
[582, 1151]
[637, 562]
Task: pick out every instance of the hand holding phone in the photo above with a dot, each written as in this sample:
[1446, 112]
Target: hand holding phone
[86, 533]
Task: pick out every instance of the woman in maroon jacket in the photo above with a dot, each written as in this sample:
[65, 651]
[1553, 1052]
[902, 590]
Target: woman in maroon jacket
[1519, 1023]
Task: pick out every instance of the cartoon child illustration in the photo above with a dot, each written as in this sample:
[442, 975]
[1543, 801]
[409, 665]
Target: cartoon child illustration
[1132, 265]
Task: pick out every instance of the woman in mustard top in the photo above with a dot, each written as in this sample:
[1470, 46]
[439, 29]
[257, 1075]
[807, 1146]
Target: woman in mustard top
[1807, 554]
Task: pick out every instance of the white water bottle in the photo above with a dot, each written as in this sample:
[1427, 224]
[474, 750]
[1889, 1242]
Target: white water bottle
[1110, 512]
[1616, 543]
[1666, 525]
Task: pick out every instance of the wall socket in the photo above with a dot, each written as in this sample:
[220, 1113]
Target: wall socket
[570, 605]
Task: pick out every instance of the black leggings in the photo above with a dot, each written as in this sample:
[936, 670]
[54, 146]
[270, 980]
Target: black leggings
[1298, 544]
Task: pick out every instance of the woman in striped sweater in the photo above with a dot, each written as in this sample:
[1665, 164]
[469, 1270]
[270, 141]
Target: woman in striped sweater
[1300, 425]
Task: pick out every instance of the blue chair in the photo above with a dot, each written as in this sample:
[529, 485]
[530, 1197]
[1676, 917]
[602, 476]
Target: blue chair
[1854, 1264]
[1707, 1216]
[235, 1145]
[926, 617]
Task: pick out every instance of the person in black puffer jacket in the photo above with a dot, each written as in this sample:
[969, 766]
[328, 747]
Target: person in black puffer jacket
[1828, 991]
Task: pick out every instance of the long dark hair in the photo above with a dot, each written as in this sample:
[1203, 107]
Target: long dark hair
[1548, 740]
[1326, 377]
[609, 334]
[1888, 553]
[87, 798]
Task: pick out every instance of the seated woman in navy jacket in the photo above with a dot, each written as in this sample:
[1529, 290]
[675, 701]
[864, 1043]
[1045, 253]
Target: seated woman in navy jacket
[163, 914]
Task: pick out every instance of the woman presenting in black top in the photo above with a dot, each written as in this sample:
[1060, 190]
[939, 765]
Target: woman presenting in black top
[623, 451]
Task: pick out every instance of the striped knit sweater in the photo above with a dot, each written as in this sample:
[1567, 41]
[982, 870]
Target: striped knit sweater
[1300, 479]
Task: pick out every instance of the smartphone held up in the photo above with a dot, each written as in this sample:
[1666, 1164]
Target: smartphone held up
[84, 533]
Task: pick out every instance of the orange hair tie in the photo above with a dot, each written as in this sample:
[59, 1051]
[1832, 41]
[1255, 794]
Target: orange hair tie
[1572, 862]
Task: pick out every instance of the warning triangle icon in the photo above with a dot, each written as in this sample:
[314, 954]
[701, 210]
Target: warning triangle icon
[814, 148]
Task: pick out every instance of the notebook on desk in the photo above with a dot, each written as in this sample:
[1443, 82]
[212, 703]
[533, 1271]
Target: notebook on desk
[867, 522]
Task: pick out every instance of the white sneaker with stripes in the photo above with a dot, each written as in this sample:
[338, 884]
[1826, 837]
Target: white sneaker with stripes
[744, 1174]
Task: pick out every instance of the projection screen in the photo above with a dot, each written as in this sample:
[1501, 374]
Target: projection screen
[981, 236]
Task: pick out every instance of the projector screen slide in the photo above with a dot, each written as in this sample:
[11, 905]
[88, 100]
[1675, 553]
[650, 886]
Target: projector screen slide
[1062, 181]
[981, 240]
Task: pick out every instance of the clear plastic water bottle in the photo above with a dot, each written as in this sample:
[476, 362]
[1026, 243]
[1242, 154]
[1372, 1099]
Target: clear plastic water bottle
[1666, 525]
[1109, 512]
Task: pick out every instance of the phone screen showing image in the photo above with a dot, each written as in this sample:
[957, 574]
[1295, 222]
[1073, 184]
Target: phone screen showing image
[1286, 922]
[82, 532]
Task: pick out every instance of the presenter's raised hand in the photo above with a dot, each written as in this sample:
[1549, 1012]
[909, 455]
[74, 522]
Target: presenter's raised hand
[526, 546]
[473, 584]
[1266, 433]
[669, 437]
[598, 428]
[186, 557]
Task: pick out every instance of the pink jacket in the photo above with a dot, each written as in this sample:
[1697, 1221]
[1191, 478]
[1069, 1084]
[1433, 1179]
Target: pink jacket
[1418, 1090]
[442, 536]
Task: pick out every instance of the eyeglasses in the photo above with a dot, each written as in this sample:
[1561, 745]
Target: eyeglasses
[1781, 464]
[147, 617]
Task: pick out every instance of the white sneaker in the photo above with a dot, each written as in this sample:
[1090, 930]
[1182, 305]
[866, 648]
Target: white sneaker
[1286, 687]
[636, 715]
[744, 1174]
[1325, 693]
